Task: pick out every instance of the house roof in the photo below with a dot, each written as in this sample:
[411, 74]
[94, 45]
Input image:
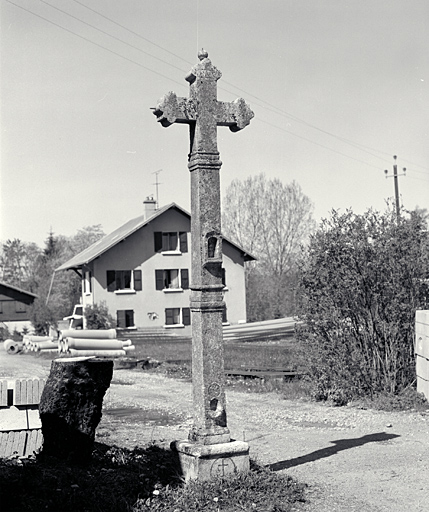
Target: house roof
[107, 242]
[15, 288]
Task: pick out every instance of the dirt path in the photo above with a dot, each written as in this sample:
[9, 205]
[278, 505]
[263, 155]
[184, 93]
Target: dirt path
[353, 460]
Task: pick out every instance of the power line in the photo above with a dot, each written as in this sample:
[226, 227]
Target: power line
[110, 35]
[316, 143]
[132, 32]
[96, 44]
[272, 108]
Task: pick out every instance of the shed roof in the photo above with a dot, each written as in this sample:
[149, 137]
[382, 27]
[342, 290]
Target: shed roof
[107, 242]
[15, 288]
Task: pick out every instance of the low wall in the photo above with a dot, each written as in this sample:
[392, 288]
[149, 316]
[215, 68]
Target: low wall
[422, 352]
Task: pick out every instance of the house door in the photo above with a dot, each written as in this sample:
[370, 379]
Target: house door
[125, 318]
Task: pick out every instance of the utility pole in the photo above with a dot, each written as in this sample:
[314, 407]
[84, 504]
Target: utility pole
[156, 186]
[395, 180]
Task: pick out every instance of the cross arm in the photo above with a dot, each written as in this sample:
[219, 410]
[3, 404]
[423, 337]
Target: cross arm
[237, 115]
[171, 109]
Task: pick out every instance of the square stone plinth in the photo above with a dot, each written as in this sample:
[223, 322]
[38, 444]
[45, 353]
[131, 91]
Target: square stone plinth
[204, 462]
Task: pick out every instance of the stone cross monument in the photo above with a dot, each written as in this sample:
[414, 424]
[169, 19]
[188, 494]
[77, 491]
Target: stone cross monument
[209, 446]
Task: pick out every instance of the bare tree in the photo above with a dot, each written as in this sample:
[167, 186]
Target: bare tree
[270, 220]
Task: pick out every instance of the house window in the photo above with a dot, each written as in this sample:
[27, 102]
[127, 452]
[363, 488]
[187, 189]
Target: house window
[125, 318]
[172, 279]
[177, 316]
[171, 241]
[20, 307]
[124, 280]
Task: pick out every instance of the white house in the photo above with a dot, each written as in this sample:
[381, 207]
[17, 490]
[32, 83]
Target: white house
[142, 271]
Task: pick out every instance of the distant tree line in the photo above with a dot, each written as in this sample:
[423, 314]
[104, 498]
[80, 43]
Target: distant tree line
[31, 268]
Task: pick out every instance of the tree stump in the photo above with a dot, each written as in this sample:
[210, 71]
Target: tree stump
[70, 406]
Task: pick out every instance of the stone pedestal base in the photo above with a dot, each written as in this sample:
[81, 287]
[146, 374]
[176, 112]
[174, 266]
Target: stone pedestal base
[203, 462]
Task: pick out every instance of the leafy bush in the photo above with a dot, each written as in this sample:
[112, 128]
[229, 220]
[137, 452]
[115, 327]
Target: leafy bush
[42, 317]
[361, 281]
[98, 317]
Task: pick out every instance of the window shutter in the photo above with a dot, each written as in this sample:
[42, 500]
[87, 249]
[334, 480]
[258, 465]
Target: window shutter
[129, 317]
[223, 276]
[169, 316]
[185, 278]
[159, 279]
[186, 316]
[137, 280]
[158, 241]
[111, 280]
[121, 318]
[165, 239]
[183, 241]
[119, 279]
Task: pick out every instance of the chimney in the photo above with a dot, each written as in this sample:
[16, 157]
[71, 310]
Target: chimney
[149, 207]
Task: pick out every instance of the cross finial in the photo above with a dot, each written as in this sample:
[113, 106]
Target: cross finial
[202, 54]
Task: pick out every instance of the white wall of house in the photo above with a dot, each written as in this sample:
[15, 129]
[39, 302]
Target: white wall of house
[137, 252]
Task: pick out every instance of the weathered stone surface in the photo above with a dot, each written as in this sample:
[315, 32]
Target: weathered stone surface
[204, 113]
[70, 406]
[205, 462]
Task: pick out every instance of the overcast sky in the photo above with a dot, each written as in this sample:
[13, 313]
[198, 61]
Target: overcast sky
[337, 86]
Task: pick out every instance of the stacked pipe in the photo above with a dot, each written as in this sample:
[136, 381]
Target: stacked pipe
[88, 342]
[12, 347]
[45, 344]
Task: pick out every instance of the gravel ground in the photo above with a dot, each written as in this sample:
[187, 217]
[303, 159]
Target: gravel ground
[351, 459]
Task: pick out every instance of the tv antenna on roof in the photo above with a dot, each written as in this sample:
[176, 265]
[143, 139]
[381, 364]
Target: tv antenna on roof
[156, 186]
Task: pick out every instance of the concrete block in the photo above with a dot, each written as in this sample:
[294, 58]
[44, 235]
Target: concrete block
[3, 393]
[422, 367]
[422, 343]
[423, 387]
[204, 462]
[13, 418]
[422, 316]
[33, 417]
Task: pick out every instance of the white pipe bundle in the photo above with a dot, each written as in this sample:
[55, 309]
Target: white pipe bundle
[89, 333]
[129, 348]
[38, 339]
[38, 343]
[45, 345]
[12, 347]
[93, 344]
[99, 353]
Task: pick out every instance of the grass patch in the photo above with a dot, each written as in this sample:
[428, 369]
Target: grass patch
[259, 490]
[269, 355]
[407, 400]
[139, 480]
[296, 388]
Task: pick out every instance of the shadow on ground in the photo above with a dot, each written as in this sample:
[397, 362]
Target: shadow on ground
[112, 480]
[340, 445]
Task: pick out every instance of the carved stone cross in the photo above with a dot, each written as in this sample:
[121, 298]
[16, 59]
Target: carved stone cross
[204, 113]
